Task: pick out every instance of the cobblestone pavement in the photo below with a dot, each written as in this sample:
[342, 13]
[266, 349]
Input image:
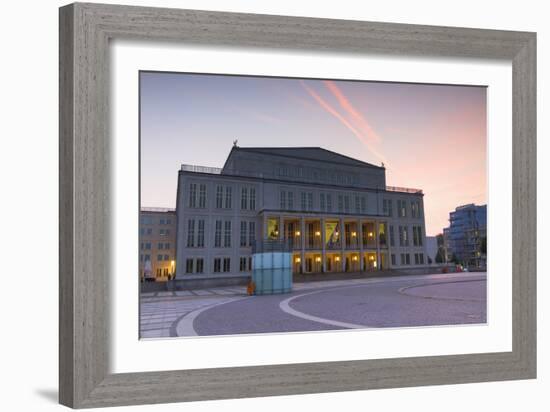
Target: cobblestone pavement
[319, 305]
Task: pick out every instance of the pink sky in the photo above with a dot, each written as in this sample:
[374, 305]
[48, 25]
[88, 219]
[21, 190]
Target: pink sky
[431, 137]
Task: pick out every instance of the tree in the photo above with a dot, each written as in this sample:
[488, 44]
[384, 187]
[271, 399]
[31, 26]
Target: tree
[483, 247]
[439, 257]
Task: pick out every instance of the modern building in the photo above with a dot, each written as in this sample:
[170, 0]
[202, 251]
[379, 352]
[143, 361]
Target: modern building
[336, 213]
[157, 244]
[466, 235]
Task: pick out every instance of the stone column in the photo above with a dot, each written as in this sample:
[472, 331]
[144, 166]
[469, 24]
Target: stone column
[342, 244]
[303, 240]
[376, 237]
[360, 234]
[323, 246]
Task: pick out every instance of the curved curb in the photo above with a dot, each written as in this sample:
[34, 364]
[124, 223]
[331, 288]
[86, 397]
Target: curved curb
[183, 326]
[403, 290]
[285, 307]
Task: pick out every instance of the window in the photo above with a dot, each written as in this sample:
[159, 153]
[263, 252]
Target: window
[303, 198]
[357, 204]
[416, 258]
[146, 220]
[290, 200]
[160, 246]
[191, 233]
[251, 233]
[243, 234]
[217, 265]
[340, 203]
[364, 205]
[252, 199]
[161, 222]
[218, 234]
[227, 234]
[167, 246]
[168, 221]
[146, 257]
[202, 196]
[159, 258]
[244, 198]
[164, 232]
[402, 208]
[408, 258]
[346, 203]
[421, 258]
[200, 265]
[242, 264]
[200, 234]
[282, 204]
[403, 236]
[393, 261]
[142, 246]
[219, 197]
[322, 202]
[228, 192]
[226, 264]
[392, 236]
[166, 258]
[387, 207]
[310, 201]
[148, 246]
[149, 231]
[329, 203]
[250, 264]
[193, 195]
[414, 209]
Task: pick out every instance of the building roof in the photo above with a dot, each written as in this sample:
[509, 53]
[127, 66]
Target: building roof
[307, 153]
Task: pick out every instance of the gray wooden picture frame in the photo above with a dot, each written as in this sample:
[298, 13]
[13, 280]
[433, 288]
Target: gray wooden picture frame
[85, 31]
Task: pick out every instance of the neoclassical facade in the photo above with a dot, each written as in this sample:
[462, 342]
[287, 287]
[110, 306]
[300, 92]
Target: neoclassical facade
[335, 212]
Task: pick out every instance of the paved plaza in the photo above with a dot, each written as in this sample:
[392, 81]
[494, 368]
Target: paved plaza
[424, 300]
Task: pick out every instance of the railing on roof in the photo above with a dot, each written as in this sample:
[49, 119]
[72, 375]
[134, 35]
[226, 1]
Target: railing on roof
[157, 209]
[201, 169]
[403, 189]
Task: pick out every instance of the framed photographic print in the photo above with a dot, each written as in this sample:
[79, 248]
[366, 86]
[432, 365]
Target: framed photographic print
[256, 205]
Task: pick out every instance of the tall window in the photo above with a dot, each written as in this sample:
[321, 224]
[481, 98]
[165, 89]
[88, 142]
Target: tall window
[393, 262]
[228, 192]
[200, 265]
[202, 196]
[200, 234]
[329, 202]
[227, 234]
[282, 204]
[346, 203]
[251, 233]
[322, 202]
[310, 201]
[357, 204]
[218, 234]
[304, 200]
[242, 264]
[392, 236]
[340, 203]
[363, 205]
[193, 195]
[387, 207]
[402, 208]
[219, 197]
[217, 265]
[252, 198]
[226, 264]
[290, 200]
[191, 233]
[243, 233]
[417, 235]
[189, 266]
[244, 198]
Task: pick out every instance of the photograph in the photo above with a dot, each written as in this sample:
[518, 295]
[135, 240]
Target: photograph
[284, 205]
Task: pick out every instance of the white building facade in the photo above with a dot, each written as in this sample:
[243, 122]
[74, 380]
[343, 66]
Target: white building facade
[335, 212]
